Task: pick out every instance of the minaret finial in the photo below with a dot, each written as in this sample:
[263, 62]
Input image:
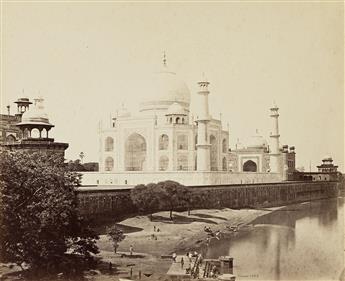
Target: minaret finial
[164, 59]
[204, 78]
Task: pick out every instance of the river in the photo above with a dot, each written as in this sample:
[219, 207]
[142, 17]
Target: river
[298, 242]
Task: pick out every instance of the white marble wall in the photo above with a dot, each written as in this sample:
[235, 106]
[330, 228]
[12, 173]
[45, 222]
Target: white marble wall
[183, 177]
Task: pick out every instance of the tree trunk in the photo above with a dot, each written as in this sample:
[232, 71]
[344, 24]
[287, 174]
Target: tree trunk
[171, 216]
[188, 211]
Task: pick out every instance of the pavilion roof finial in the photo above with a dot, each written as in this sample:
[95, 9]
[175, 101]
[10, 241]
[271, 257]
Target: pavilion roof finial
[164, 59]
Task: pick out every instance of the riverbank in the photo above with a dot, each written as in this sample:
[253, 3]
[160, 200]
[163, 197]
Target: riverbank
[184, 233]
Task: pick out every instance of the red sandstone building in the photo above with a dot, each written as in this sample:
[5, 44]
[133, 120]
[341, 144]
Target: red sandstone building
[29, 129]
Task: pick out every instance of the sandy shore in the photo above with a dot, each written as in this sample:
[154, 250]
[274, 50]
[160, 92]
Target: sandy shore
[184, 233]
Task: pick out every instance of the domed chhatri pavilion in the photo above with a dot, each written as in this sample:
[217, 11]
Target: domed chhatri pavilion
[164, 141]
[34, 131]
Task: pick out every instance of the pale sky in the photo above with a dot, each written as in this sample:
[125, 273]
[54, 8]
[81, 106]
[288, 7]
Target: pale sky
[86, 58]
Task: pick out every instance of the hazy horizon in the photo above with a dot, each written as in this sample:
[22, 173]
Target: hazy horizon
[86, 59]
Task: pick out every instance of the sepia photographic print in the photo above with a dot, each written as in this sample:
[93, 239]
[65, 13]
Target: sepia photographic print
[171, 140]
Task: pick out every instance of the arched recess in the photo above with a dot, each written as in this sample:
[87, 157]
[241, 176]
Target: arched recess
[35, 133]
[135, 153]
[224, 164]
[163, 142]
[10, 139]
[214, 153]
[109, 144]
[250, 166]
[109, 164]
[182, 162]
[163, 163]
[224, 146]
[182, 142]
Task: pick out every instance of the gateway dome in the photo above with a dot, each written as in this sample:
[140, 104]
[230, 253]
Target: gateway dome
[257, 141]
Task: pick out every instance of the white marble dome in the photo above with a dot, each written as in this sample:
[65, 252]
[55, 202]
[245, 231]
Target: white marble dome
[257, 141]
[36, 115]
[176, 109]
[327, 158]
[164, 88]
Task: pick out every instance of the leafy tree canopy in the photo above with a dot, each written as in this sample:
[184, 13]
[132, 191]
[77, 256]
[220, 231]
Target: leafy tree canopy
[116, 235]
[173, 196]
[146, 197]
[39, 220]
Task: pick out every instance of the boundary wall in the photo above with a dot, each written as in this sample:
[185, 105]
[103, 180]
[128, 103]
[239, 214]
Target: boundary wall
[98, 201]
[190, 178]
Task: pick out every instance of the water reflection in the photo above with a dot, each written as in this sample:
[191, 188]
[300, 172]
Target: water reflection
[303, 241]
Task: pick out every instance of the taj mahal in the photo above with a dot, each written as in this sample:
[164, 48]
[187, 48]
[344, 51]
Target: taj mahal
[165, 141]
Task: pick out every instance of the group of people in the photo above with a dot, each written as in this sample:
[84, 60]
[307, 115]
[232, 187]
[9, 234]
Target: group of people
[193, 258]
[154, 236]
[211, 234]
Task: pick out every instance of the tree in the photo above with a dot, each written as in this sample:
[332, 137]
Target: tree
[146, 197]
[173, 195]
[39, 219]
[75, 166]
[116, 236]
[193, 200]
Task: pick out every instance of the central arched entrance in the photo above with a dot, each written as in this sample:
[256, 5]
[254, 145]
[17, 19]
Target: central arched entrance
[135, 153]
[250, 166]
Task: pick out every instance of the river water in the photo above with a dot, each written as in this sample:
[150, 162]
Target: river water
[299, 242]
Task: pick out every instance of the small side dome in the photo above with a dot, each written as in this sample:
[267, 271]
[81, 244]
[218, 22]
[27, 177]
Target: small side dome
[257, 141]
[36, 115]
[176, 109]
[327, 158]
[123, 112]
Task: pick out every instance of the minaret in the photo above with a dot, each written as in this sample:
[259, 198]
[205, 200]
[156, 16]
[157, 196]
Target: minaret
[275, 153]
[203, 146]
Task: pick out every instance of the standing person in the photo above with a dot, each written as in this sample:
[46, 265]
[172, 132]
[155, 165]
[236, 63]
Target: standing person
[154, 228]
[190, 257]
[131, 250]
[174, 257]
[182, 262]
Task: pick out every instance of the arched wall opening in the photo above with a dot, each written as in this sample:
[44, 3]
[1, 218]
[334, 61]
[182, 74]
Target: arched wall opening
[135, 153]
[224, 146]
[109, 144]
[224, 164]
[109, 164]
[250, 166]
[163, 163]
[182, 162]
[214, 153]
[163, 142]
[182, 142]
